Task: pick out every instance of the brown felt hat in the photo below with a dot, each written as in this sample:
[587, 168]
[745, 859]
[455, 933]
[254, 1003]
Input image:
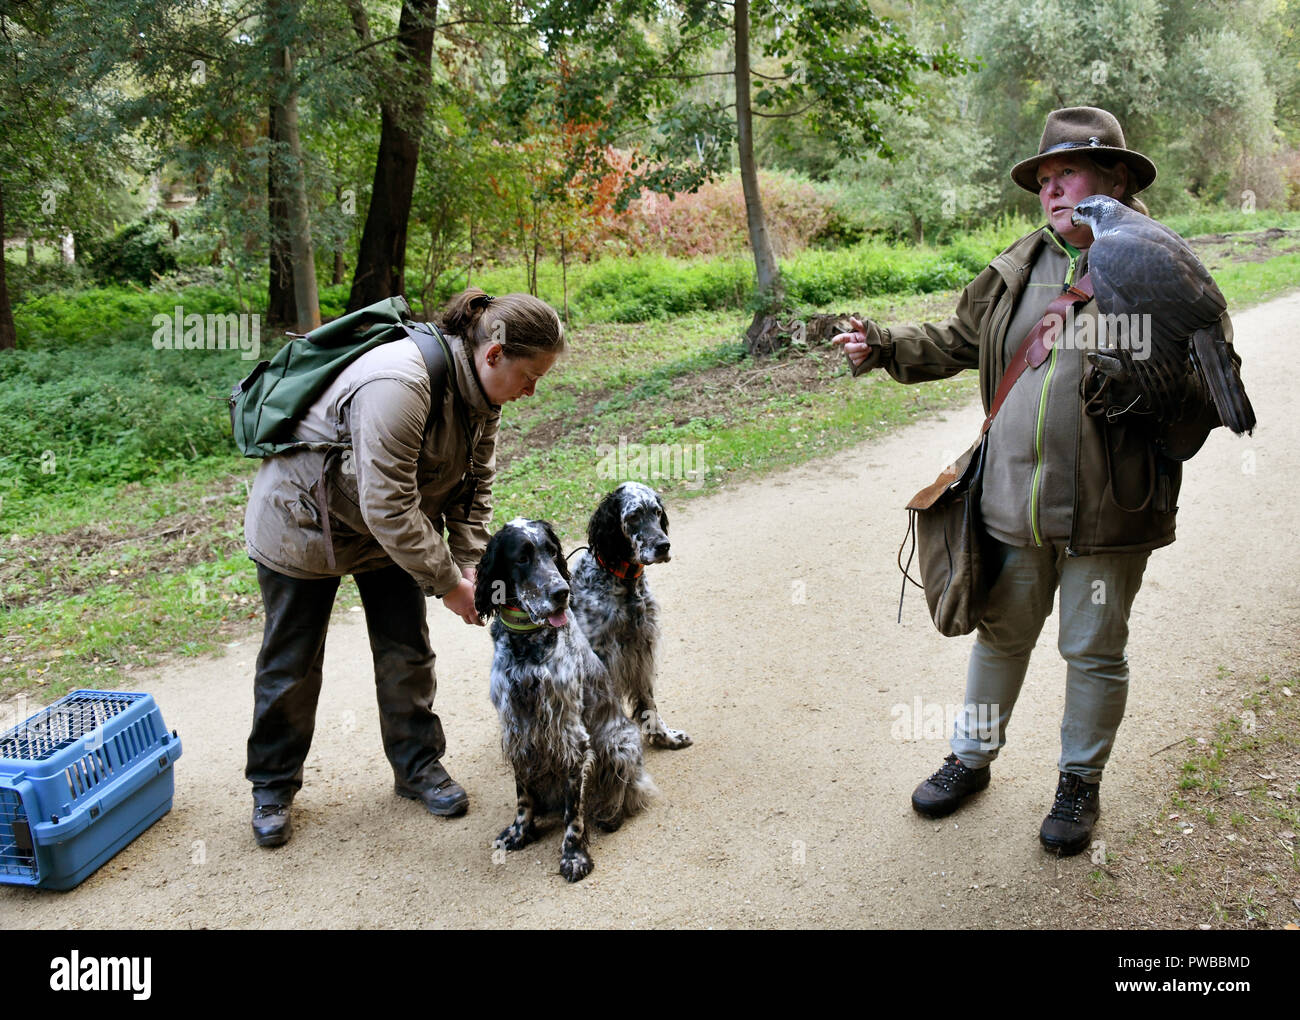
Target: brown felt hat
[1088, 131]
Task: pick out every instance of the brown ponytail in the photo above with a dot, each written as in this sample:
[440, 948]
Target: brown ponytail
[523, 325]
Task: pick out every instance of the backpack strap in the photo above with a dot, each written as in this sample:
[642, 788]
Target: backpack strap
[437, 360]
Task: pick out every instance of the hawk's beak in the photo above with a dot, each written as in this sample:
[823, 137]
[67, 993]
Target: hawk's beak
[1076, 219]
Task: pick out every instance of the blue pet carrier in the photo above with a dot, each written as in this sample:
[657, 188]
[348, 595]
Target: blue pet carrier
[78, 781]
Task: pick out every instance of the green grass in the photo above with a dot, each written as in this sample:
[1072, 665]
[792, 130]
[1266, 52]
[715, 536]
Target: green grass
[1223, 221]
[1246, 284]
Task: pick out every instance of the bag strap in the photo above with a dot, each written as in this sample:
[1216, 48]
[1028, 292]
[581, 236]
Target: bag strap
[1033, 349]
[1033, 352]
[438, 362]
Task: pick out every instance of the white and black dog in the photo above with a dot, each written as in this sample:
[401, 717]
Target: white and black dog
[614, 606]
[562, 727]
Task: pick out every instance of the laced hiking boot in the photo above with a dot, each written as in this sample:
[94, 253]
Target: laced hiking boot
[943, 792]
[444, 797]
[272, 825]
[1067, 829]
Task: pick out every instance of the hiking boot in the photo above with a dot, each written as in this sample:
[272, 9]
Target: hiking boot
[1067, 829]
[943, 792]
[443, 796]
[272, 825]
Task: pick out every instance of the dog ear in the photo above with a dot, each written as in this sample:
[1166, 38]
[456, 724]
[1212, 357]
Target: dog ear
[605, 530]
[556, 550]
[486, 579]
[663, 514]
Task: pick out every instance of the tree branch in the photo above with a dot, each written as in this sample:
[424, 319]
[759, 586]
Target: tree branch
[792, 113]
[683, 77]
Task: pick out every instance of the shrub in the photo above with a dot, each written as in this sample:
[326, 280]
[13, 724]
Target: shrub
[140, 252]
[93, 416]
[106, 314]
[712, 220]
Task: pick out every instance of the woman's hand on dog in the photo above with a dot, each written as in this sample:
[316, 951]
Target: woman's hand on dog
[460, 600]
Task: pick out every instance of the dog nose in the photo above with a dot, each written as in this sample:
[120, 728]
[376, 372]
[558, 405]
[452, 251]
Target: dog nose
[661, 552]
[559, 594]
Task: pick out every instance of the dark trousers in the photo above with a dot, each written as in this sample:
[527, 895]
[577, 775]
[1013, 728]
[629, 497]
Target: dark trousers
[287, 684]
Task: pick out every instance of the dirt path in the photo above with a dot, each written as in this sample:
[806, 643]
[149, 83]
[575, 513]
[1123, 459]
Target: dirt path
[783, 660]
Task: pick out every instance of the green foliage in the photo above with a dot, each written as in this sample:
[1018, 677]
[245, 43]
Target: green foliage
[103, 414]
[71, 320]
[937, 183]
[1217, 82]
[1204, 218]
[140, 252]
[654, 287]
[1040, 55]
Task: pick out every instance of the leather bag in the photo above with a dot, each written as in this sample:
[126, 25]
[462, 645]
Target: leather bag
[944, 518]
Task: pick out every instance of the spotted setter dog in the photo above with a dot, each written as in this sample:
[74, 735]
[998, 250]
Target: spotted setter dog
[614, 606]
[562, 727]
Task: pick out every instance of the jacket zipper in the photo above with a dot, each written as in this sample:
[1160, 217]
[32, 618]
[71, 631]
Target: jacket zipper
[1035, 488]
[1035, 485]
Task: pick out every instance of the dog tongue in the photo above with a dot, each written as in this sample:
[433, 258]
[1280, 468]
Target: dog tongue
[559, 619]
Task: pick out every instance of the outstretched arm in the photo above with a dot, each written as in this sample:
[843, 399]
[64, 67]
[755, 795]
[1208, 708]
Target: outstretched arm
[928, 350]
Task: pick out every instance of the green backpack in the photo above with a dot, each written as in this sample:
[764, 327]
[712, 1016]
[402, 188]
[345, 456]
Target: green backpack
[265, 407]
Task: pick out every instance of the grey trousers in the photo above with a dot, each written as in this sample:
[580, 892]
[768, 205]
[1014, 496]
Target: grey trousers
[1096, 598]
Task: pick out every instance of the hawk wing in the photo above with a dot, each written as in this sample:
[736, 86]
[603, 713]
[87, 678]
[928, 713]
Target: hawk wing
[1145, 268]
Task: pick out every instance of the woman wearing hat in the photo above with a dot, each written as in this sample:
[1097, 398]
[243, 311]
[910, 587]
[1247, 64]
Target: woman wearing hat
[413, 473]
[1070, 501]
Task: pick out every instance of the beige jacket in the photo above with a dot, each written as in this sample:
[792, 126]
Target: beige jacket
[394, 491]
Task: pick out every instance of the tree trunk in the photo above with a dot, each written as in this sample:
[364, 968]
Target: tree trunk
[8, 335]
[564, 271]
[469, 271]
[280, 309]
[339, 264]
[537, 246]
[285, 95]
[381, 260]
[770, 286]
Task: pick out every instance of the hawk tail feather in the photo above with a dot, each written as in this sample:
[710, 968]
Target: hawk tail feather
[1220, 368]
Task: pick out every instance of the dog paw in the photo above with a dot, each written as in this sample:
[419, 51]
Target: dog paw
[514, 838]
[672, 740]
[610, 824]
[575, 865]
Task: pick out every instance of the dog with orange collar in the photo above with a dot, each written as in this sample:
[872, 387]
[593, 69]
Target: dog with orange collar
[614, 606]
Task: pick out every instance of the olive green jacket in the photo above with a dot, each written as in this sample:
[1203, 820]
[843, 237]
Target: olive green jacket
[392, 494]
[1125, 490]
